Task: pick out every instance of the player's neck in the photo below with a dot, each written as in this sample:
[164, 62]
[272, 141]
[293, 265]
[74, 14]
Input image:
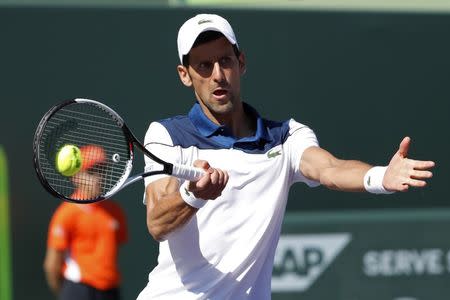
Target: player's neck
[240, 123]
[244, 125]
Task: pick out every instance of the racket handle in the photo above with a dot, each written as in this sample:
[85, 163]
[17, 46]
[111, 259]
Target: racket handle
[187, 172]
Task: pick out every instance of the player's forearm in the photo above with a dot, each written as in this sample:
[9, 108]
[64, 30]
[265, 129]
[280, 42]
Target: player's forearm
[346, 175]
[166, 214]
[53, 263]
[54, 281]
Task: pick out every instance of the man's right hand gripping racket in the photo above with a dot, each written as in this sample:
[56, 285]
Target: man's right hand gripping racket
[82, 123]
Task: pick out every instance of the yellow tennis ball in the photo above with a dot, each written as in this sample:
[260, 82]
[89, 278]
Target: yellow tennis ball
[68, 160]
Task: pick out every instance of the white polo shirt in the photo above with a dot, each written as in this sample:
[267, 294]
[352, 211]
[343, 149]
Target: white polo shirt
[226, 250]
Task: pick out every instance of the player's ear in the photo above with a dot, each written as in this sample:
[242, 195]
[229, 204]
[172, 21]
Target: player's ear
[242, 64]
[184, 75]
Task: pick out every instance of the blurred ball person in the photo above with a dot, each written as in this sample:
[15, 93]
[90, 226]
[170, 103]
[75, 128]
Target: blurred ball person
[81, 260]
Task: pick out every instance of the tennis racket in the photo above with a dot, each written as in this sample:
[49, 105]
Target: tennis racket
[84, 123]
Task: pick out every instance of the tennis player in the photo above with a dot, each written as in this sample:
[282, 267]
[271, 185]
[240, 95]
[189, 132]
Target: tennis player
[84, 239]
[218, 235]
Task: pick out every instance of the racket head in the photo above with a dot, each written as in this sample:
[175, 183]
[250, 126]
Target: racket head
[105, 144]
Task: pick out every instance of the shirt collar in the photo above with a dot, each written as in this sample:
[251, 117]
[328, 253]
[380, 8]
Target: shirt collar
[204, 125]
[207, 128]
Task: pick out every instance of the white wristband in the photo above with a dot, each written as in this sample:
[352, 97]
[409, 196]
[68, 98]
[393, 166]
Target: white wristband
[373, 180]
[189, 197]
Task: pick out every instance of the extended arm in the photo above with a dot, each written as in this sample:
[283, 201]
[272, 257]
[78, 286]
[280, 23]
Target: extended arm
[337, 174]
[348, 175]
[166, 209]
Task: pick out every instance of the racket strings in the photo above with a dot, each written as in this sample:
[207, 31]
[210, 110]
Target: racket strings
[89, 127]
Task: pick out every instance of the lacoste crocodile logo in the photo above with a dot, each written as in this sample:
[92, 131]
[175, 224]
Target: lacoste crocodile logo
[273, 153]
[368, 181]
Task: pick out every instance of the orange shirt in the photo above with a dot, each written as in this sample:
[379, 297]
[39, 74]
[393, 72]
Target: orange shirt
[91, 234]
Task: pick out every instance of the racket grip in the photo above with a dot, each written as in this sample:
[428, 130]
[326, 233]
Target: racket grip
[187, 172]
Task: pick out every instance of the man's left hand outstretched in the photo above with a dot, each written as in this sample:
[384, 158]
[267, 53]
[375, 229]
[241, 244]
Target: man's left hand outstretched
[404, 172]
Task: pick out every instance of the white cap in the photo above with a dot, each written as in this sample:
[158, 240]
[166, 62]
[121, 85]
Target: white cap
[192, 28]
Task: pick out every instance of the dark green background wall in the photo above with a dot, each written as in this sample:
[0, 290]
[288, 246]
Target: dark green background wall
[361, 80]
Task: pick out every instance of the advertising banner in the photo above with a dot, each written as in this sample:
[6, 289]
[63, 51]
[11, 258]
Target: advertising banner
[364, 256]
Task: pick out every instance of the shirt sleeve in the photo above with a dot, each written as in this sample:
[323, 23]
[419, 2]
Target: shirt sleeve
[300, 138]
[123, 226]
[59, 230]
[158, 141]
